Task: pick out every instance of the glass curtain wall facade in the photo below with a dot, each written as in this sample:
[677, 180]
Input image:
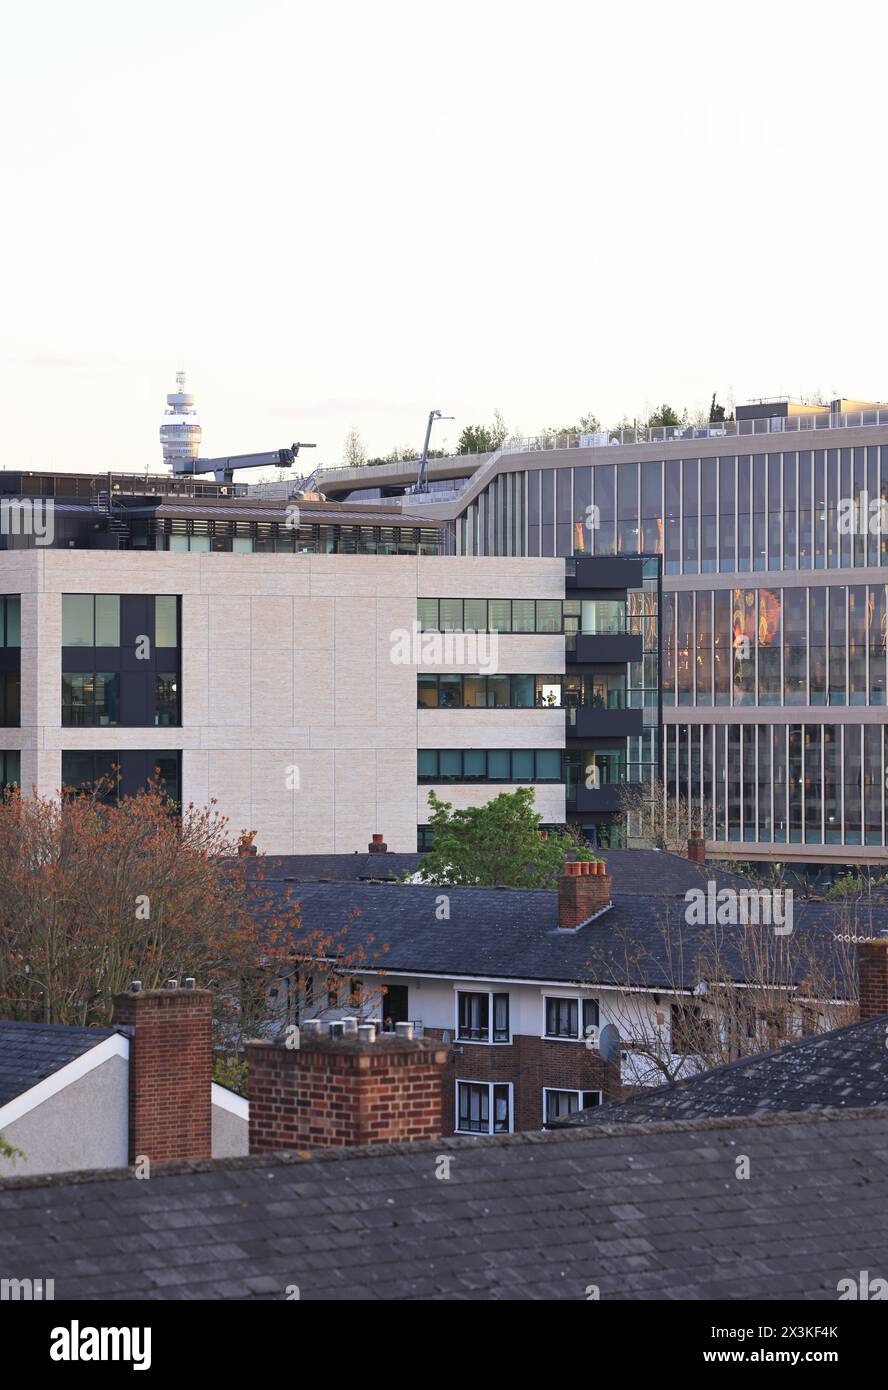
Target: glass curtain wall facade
[795, 665]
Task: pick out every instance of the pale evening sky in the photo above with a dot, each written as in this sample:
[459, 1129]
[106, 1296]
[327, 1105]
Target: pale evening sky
[347, 213]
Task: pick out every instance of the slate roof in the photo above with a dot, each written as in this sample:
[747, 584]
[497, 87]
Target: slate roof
[513, 934]
[656, 871]
[29, 1052]
[847, 1067]
[632, 870]
[334, 868]
[643, 1212]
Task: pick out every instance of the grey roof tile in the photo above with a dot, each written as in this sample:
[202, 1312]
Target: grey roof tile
[663, 1218]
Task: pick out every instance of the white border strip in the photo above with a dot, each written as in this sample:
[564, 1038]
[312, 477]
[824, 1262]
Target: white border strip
[116, 1046]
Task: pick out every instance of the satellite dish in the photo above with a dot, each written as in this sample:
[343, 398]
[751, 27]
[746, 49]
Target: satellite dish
[609, 1043]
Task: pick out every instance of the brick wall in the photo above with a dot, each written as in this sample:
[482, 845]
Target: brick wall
[337, 1093]
[530, 1063]
[170, 1072]
[872, 964]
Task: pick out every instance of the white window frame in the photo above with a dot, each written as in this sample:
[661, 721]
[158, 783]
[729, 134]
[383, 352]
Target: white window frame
[573, 1091]
[481, 1042]
[467, 1081]
[579, 1000]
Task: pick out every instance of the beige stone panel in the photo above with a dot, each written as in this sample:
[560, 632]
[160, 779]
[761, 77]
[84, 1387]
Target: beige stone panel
[259, 736]
[229, 775]
[492, 728]
[230, 617]
[548, 800]
[40, 771]
[313, 624]
[272, 686]
[229, 686]
[486, 577]
[47, 707]
[345, 576]
[355, 791]
[271, 621]
[355, 634]
[121, 572]
[43, 771]
[313, 818]
[110, 739]
[273, 575]
[313, 685]
[195, 778]
[21, 571]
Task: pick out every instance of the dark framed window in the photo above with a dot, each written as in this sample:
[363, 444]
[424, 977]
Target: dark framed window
[90, 699]
[557, 1105]
[10, 769]
[564, 1014]
[166, 699]
[10, 620]
[523, 765]
[483, 1107]
[482, 1016]
[508, 615]
[10, 699]
[450, 691]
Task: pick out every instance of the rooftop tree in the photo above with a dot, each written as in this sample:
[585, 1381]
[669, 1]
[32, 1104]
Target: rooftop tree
[497, 845]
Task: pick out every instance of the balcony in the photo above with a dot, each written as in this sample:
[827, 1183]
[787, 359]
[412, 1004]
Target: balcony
[602, 648]
[603, 721]
[583, 799]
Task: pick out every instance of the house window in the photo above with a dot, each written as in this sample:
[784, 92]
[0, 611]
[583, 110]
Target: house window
[557, 1105]
[475, 1013]
[692, 1031]
[483, 1107]
[563, 1017]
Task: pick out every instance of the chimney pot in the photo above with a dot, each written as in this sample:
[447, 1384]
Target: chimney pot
[697, 847]
[582, 894]
[377, 845]
[367, 1032]
[872, 970]
[190, 982]
[171, 984]
[135, 986]
[404, 1030]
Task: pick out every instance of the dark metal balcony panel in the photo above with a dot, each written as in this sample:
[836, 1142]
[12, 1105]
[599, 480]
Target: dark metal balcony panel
[606, 572]
[591, 722]
[594, 649]
[589, 799]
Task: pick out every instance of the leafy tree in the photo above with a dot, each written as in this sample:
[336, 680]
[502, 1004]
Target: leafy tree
[354, 455]
[665, 415]
[492, 846]
[716, 412]
[94, 895]
[483, 439]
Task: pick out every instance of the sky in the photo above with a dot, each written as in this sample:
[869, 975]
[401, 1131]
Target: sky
[343, 215]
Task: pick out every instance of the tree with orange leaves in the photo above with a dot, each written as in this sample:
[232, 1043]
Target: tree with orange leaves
[96, 892]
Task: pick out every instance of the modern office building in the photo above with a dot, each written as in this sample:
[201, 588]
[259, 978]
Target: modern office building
[312, 667]
[773, 534]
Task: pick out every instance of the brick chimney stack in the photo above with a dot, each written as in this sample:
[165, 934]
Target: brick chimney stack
[338, 1091]
[377, 846]
[872, 969]
[697, 847]
[583, 890]
[170, 1070]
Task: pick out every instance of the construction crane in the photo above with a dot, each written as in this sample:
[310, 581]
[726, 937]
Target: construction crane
[223, 469]
[421, 484]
